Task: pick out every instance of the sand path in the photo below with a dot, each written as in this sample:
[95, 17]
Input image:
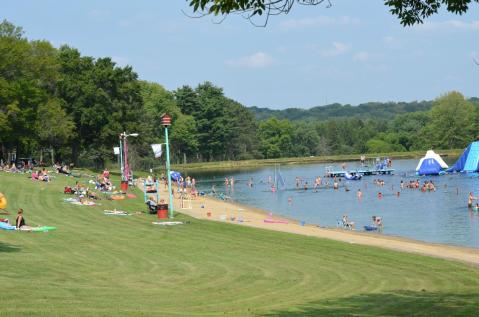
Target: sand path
[217, 210]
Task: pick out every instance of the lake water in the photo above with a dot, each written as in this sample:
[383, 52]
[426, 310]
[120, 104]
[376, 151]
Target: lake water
[441, 216]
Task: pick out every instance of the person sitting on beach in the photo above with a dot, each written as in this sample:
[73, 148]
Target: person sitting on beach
[20, 220]
[64, 170]
[13, 168]
[470, 199]
[34, 176]
[347, 224]
[43, 176]
[151, 203]
[377, 221]
[91, 194]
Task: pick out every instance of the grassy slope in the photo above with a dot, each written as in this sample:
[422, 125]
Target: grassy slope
[96, 265]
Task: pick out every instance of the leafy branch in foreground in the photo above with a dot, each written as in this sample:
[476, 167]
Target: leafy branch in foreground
[409, 12]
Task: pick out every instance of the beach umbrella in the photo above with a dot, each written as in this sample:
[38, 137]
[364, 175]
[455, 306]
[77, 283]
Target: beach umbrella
[3, 201]
[175, 175]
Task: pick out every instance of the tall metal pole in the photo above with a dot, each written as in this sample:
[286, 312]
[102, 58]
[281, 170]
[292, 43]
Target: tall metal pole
[170, 205]
[121, 156]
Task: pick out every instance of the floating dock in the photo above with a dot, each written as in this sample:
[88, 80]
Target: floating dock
[365, 172]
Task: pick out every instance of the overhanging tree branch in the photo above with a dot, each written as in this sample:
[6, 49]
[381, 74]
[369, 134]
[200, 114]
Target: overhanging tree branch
[409, 12]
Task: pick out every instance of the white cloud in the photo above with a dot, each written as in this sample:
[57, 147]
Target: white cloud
[319, 21]
[474, 56]
[369, 58]
[362, 56]
[338, 49]
[449, 25]
[256, 60]
[390, 40]
[393, 42]
[97, 13]
[120, 61]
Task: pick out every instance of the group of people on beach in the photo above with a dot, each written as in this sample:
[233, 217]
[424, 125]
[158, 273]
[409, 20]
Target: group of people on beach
[40, 175]
[20, 222]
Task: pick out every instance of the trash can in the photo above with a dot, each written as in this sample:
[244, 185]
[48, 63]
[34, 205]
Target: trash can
[124, 186]
[162, 211]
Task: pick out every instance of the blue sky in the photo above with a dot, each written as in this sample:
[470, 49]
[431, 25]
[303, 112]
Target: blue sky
[353, 52]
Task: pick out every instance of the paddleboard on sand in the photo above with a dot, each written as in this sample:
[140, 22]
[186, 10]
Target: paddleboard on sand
[43, 229]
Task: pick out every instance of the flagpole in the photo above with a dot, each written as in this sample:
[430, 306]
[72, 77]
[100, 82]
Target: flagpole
[166, 122]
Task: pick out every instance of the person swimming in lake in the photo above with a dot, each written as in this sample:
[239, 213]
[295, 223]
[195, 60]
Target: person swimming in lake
[359, 194]
[470, 199]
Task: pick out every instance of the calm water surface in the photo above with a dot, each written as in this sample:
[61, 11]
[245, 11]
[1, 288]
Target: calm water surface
[441, 216]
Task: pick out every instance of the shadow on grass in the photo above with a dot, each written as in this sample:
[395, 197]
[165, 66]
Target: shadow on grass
[401, 303]
[8, 248]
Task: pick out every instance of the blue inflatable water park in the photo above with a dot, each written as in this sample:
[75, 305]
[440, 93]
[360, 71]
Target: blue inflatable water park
[431, 164]
[468, 162]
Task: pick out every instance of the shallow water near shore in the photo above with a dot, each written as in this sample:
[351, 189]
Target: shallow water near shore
[441, 216]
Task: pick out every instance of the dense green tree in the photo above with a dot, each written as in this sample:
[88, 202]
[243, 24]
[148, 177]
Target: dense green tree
[59, 99]
[54, 127]
[103, 99]
[384, 142]
[276, 137]
[453, 122]
[187, 99]
[27, 73]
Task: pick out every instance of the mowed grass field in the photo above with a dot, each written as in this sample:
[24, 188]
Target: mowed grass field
[97, 265]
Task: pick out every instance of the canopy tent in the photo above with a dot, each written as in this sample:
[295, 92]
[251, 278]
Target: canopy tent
[469, 160]
[431, 164]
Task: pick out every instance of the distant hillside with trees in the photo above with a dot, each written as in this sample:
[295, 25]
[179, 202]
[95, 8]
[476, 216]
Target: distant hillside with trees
[370, 110]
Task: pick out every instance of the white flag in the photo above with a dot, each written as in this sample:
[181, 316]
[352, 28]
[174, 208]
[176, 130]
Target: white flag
[157, 150]
[116, 150]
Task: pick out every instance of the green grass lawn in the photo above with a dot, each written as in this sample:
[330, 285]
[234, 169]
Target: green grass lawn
[97, 265]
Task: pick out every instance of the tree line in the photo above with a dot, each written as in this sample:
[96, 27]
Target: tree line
[73, 107]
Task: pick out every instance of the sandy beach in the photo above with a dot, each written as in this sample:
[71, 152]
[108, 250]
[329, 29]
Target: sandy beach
[208, 208]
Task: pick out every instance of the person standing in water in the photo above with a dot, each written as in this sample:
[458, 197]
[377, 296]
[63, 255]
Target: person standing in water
[359, 194]
[470, 199]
